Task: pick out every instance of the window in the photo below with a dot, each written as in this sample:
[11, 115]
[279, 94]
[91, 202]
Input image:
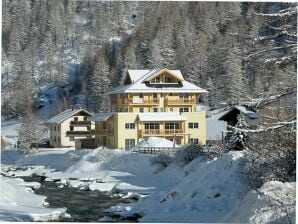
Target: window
[156, 80]
[85, 118]
[71, 128]
[183, 95]
[193, 125]
[58, 128]
[171, 109]
[168, 79]
[178, 141]
[161, 109]
[104, 125]
[54, 128]
[141, 110]
[55, 138]
[129, 143]
[129, 125]
[183, 109]
[76, 118]
[150, 126]
[155, 109]
[141, 95]
[155, 95]
[71, 138]
[194, 141]
[172, 125]
[88, 127]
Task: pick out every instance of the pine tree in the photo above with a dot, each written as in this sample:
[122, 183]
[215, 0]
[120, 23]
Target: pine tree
[31, 133]
[23, 91]
[100, 86]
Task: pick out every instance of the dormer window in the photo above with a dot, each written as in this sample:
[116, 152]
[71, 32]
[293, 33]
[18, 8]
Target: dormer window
[156, 80]
[168, 80]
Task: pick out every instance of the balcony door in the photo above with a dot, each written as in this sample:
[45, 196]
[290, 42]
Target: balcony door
[129, 143]
[151, 128]
[172, 127]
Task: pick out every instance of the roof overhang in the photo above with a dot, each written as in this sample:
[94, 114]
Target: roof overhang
[101, 116]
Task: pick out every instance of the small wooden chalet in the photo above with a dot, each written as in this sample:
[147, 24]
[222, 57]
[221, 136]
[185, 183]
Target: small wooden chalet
[231, 116]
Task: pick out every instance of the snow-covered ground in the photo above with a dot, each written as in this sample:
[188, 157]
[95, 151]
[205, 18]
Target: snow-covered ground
[202, 191]
[19, 204]
[9, 131]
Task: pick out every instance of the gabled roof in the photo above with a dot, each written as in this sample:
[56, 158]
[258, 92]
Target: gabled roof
[175, 73]
[101, 116]
[65, 115]
[138, 85]
[162, 116]
[247, 112]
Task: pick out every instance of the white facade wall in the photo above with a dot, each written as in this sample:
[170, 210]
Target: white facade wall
[60, 134]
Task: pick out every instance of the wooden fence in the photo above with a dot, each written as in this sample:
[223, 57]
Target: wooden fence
[156, 150]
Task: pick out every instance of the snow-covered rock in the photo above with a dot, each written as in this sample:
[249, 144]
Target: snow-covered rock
[18, 204]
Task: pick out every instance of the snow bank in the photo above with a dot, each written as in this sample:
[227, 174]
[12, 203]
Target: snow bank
[274, 202]
[9, 131]
[19, 204]
[202, 192]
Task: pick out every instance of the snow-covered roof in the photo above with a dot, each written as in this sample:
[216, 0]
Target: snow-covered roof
[163, 116]
[154, 142]
[101, 116]
[66, 114]
[249, 113]
[138, 85]
[246, 111]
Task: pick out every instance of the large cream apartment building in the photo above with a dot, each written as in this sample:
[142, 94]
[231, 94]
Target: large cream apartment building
[154, 102]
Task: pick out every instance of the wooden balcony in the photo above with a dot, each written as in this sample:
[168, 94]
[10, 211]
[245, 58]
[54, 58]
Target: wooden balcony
[141, 101]
[181, 101]
[80, 123]
[104, 132]
[80, 133]
[160, 132]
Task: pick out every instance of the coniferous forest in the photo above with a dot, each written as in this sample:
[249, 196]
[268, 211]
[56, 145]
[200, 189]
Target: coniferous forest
[68, 53]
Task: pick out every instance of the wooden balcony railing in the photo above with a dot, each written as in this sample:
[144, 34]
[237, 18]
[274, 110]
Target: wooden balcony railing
[160, 132]
[80, 123]
[180, 101]
[141, 101]
[80, 133]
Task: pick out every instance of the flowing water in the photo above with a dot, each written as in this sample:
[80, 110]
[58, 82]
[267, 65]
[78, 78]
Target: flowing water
[82, 205]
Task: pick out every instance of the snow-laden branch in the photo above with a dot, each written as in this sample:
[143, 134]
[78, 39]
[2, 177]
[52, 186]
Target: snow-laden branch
[279, 60]
[286, 12]
[274, 127]
[271, 49]
[259, 102]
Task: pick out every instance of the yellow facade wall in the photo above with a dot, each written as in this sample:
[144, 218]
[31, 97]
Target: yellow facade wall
[121, 132]
[200, 133]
